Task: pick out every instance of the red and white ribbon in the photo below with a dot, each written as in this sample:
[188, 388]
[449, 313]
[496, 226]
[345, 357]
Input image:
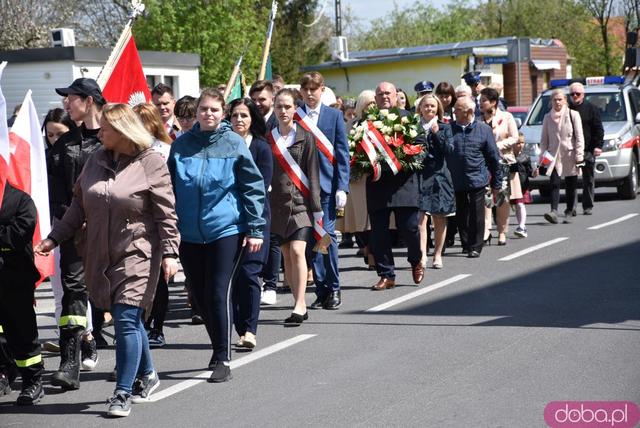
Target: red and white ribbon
[323, 143]
[295, 174]
[370, 151]
[381, 144]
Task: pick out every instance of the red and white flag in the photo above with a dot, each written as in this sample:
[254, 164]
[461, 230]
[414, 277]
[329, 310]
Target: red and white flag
[4, 138]
[126, 82]
[28, 172]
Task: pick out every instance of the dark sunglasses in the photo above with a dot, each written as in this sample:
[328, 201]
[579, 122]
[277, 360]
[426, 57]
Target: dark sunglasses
[576, 94]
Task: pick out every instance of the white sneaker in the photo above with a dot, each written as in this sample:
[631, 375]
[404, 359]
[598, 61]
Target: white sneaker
[268, 297]
[521, 232]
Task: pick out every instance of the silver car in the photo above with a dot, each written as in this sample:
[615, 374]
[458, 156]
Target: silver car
[617, 166]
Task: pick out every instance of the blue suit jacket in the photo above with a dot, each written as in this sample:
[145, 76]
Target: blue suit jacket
[333, 178]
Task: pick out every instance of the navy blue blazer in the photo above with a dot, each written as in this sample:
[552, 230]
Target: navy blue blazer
[263, 157]
[272, 122]
[333, 178]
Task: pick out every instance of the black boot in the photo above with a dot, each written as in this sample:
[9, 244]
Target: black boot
[68, 375]
[32, 391]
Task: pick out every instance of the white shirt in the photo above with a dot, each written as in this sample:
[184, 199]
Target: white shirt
[248, 139]
[290, 138]
[313, 113]
[268, 116]
[162, 148]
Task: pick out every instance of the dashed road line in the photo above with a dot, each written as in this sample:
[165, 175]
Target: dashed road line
[418, 293]
[612, 222]
[532, 249]
[256, 355]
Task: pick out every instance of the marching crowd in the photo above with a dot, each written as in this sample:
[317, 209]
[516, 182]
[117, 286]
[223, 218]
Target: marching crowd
[238, 191]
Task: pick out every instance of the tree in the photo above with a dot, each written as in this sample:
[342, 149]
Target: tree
[601, 11]
[217, 30]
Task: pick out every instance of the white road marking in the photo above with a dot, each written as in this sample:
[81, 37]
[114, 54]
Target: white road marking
[609, 223]
[255, 355]
[418, 293]
[532, 249]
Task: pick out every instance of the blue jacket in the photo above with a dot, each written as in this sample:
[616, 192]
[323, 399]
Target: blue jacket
[219, 190]
[475, 156]
[333, 178]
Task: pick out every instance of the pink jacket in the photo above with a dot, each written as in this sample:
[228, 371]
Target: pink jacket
[505, 131]
[565, 142]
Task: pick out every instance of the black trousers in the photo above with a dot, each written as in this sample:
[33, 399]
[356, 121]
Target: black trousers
[160, 306]
[470, 218]
[588, 184]
[570, 187]
[210, 269]
[74, 299]
[271, 269]
[18, 320]
[380, 238]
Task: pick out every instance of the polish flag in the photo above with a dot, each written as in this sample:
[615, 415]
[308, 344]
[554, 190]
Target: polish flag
[4, 138]
[126, 82]
[28, 172]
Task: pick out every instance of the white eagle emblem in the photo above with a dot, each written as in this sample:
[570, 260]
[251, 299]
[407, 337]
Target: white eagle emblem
[136, 98]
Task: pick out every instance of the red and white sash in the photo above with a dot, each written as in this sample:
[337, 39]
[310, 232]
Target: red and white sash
[381, 144]
[370, 151]
[323, 143]
[295, 174]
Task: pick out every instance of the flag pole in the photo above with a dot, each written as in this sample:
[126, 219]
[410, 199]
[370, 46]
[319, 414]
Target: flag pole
[267, 42]
[137, 7]
[234, 74]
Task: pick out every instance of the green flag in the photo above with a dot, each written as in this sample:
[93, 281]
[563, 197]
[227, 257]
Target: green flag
[268, 73]
[236, 91]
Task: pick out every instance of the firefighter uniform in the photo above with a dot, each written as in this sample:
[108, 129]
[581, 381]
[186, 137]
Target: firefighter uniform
[18, 276]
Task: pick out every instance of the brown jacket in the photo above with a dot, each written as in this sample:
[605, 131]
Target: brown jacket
[565, 142]
[128, 207]
[290, 210]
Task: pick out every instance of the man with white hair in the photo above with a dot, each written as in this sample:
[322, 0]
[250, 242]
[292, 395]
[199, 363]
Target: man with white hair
[593, 135]
[474, 162]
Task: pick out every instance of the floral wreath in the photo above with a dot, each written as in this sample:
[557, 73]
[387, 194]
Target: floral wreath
[383, 142]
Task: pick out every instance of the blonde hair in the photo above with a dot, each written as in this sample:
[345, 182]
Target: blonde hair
[440, 109]
[365, 98]
[127, 123]
[152, 122]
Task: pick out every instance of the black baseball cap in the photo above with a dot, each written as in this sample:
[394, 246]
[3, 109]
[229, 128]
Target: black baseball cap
[83, 86]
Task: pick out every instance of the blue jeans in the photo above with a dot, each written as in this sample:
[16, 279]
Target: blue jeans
[133, 357]
[325, 266]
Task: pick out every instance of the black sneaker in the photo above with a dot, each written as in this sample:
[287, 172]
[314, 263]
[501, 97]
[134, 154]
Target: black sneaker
[156, 339]
[31, 393]
[196, 319]
[144, 386]
[89, 352]
[220, 372]
[5, 385]
[551, 217]
[119, 404]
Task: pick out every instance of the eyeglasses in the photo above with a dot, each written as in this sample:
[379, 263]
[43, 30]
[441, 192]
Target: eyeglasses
[576, 94]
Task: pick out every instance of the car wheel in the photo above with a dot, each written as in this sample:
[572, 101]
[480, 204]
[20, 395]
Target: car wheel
[629, 187]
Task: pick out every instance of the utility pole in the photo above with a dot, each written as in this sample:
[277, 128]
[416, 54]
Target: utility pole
[338, 18]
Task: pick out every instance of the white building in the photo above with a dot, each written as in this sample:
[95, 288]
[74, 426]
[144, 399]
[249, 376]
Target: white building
[42, 70]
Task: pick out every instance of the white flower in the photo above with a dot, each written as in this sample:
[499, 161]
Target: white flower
[386, 130]
[352, 132]
[371, 117]
[404, 119]
[392, 116]
[378, 124]
[384, 112]
[397, 127]
[413, 133]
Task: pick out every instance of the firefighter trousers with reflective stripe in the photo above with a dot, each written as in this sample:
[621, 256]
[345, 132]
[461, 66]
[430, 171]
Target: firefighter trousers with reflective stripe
[18, 319]
[74, 298]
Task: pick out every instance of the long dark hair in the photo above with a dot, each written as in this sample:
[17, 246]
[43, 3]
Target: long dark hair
[57, 115]
[258, 128]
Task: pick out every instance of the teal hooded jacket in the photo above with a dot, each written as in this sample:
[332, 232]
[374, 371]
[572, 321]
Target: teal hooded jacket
[218, 187]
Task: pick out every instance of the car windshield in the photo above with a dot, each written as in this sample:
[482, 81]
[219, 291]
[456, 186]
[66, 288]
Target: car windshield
[610, 104]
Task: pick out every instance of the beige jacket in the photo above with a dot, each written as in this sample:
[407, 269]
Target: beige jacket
[131, 224]
[505, 131]
[565, 142]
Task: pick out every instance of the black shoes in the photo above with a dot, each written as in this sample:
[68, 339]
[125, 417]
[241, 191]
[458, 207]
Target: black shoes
[89, 352]
[473, 254]
[333, 300]
[220, 372]
[68, 375]
[31, 393]
[551, 217]
[296, 319]
[5, 384]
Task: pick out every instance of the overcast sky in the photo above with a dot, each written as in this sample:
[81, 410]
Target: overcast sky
[367, 10]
